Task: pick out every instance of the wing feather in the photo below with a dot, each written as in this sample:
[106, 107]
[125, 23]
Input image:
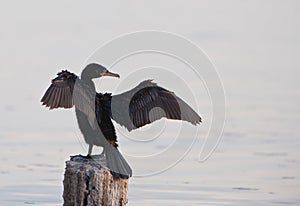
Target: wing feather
[67, 90]
[59, 92]
[147, 103]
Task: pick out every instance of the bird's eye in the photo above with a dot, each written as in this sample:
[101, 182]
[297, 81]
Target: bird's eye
[103, 71]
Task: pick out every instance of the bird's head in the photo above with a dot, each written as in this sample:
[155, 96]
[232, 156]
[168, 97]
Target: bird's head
[94, 70]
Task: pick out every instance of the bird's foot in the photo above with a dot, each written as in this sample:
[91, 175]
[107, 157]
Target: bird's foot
[88, 156]
[98, 157]
[82, 157]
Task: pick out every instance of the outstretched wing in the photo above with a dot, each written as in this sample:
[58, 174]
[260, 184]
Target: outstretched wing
[60, 92]
[147, 103]
[67, 90]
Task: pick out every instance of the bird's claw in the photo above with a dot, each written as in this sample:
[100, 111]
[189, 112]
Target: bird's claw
[88, 156]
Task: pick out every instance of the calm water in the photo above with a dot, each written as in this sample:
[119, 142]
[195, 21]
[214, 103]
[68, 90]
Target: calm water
[247, 169]
[254, 47]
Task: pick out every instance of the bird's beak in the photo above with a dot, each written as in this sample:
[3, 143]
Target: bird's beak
[110, 74]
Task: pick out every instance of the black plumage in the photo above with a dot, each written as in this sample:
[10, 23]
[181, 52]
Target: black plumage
[103, 115]
[145, 103]
[148, 102]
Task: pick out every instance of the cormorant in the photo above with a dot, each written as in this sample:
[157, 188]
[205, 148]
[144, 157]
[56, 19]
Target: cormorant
[145, 103]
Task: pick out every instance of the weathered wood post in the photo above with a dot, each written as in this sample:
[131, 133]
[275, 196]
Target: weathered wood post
[88, 182]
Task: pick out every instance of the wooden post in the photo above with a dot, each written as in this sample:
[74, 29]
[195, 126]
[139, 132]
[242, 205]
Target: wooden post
[88, 182]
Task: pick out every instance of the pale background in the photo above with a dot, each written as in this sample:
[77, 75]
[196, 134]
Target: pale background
[253, 44]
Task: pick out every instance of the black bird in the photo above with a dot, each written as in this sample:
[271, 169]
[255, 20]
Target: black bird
[145, 103]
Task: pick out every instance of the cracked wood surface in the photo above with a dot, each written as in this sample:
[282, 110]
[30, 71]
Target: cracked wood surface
[88, 182]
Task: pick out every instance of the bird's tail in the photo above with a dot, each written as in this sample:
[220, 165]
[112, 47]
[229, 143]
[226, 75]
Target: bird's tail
[116, 163]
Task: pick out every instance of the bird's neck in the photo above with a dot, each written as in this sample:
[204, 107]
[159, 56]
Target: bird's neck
[89, 82]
